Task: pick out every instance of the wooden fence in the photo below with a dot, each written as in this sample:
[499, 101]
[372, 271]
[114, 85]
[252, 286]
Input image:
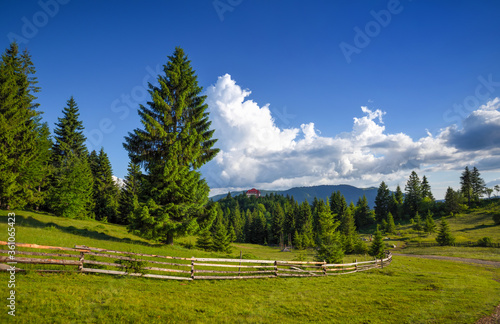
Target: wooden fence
[94, 260]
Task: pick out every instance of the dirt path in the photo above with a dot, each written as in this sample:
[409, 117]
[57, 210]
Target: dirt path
[495, 264]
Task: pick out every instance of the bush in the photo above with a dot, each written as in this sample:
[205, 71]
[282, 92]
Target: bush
[360, 247]
[496, 219]
[485, 241]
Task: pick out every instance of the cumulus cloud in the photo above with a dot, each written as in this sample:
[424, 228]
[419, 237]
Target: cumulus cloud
[257, 153]
[480, 130]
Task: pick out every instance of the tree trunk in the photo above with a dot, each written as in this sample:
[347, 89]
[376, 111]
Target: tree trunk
[170, 239]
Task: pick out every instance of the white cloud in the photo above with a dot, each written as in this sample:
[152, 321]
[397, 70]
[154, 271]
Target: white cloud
[257, 153]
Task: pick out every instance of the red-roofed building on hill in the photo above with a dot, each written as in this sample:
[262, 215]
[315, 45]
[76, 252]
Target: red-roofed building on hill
[253, 192]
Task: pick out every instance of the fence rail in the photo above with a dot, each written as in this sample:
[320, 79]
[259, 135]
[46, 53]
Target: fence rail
[96, 260]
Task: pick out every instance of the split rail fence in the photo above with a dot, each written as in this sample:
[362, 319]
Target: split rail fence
[94, 260]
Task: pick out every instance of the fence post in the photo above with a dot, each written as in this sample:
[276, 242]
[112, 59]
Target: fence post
[324, 267]
[275, 268]
[356, 265]
[82, 258]
[239, 269]
[192, 268]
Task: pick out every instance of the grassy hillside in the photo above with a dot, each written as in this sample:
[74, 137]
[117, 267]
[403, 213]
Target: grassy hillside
[408, 291]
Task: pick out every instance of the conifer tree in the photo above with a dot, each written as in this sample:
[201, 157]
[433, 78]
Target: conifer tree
[129, 200]
[478, 185]
[25, 144]
[391, 227]
[396, 207]
[382, 202]
[105, 197]
[466, 185]
[444, 236]
[297, 241]
[363, 215]
[278, 225]
[175, 142]
[338, 205]
[72, 181]
[430, 225]
[204, 240]
[413, 194]
[221, 239]
[378, 247]
[330, 243]
[426, 189]
[348, 229]
[452, 201]
[418, 222]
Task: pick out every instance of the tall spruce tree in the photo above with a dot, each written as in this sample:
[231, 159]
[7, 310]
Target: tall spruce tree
[378, 247]
[105, 189]
[72, 181]
[478, 185]
[175, 142]
[129, 200]
[466, 186]
[426, 189]
[362, 215]
[382, 202]
[444, 236]
[452, 201]
[413, 194]
[24, 140]
[330, 243]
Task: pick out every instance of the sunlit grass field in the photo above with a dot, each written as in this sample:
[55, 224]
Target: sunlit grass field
[409, 290]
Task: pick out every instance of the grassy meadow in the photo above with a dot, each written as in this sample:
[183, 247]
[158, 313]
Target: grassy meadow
[410, 290]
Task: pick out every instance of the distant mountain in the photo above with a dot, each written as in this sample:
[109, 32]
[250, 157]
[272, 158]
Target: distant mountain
[300, 194]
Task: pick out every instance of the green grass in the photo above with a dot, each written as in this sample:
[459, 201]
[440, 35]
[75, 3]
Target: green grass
[408, 291]
[481, 253]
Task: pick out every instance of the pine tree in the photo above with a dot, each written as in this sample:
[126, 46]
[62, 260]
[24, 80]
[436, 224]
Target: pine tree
[220, 237]
[348, 229]
[466, 186]
[426, 189]
[444, 237]
[396, 207]
[72, 181]
[452, 201]
[175, 142]
[297, 241]
[278, 225]
[378, 247]
[430, 225]
[129, 200]
[330, 243]
[413, 195]
[478, 185]
[24, 149]
[418, 222]
[338, 205]
[363, 216]
[382, 202]
[391, 227]
[204, 240]
[106, 191]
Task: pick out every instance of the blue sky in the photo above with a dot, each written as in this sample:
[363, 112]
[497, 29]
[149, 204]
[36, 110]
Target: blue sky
[286, 82]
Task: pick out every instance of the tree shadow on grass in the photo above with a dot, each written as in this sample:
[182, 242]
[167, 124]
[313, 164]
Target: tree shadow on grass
[29, 221]
[477, 227]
